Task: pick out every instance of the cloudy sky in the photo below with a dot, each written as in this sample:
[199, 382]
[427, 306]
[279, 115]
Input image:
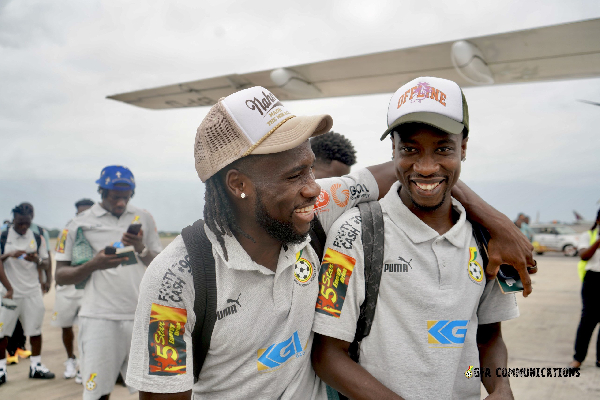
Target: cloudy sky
[533, 147]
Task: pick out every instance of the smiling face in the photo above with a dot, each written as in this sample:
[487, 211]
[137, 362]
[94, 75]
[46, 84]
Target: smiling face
[427, 162]
[281, 192]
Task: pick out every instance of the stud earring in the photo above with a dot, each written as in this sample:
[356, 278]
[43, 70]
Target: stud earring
[243, 195]
[464, 159]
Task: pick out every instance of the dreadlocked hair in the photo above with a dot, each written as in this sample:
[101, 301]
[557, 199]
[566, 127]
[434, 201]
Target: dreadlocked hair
[24, 209]
[218, 212]
[596, 222]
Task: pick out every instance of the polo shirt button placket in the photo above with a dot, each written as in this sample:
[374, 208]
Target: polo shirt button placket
[445, 278]
[282, 288]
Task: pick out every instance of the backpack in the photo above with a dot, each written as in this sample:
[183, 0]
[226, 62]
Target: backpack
[199, 249]
[202, 261]
[4, 238]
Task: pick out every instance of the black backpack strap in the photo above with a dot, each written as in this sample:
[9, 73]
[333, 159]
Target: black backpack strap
[318, 238]
[38, 240]
[373, 241]
[202, 261]
[41, 233]
[481, 238]
[3, 238]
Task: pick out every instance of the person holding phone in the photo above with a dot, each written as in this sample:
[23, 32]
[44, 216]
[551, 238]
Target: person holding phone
[24, 255]
[110, 295]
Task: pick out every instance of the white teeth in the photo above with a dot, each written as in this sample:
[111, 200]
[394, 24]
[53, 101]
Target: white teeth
[305, 209]
[425, 186]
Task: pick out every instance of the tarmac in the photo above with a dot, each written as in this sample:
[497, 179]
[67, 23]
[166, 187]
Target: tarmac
[542, 337]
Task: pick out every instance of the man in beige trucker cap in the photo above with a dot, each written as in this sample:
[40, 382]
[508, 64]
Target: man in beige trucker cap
[261, 199]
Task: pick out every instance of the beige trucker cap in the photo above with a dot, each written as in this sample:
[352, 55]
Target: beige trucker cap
[428, 100]
[251, 121]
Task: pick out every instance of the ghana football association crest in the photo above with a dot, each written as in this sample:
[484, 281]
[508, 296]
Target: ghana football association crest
[304, 272]
[475, 270]
[90, 384]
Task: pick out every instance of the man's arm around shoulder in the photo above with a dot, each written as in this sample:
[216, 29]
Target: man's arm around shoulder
[507, 244]
[334, 366]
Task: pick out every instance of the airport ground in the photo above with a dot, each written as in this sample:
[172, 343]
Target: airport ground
[542, 337]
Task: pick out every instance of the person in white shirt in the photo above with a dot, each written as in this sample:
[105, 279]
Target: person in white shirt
[67, 303]
[260, 203]
[24, 255]
[436, 315]
[110, 295]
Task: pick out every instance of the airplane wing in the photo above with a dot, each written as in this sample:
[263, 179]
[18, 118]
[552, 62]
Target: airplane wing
[558, 52]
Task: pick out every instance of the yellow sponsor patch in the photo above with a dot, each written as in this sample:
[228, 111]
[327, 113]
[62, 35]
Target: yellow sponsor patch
[62, 240]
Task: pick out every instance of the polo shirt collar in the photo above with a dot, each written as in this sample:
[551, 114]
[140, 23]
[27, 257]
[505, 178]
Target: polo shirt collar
[239, 259]
[98, 210]
[18, 234]
[417, 230]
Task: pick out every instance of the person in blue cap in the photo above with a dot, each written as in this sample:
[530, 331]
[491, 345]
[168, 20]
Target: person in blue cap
[111, 291]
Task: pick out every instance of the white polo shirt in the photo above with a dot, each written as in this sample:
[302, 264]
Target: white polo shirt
[22, 274]
[593, 263]
[432, 296]
[67, 291]
[260, 346]
[110, 293]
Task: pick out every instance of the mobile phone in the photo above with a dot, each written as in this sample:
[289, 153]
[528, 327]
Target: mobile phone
[110, 250]
[134, 229]
[508, 272]
[22, 256]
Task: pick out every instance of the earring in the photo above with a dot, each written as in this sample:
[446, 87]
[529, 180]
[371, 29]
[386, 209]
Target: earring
[243, 195]
[464, 159]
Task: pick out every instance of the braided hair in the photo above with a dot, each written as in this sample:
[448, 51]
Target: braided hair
[25, 209]
[218, 212]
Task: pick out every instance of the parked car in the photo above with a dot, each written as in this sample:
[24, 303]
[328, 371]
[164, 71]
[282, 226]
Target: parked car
[555, 238]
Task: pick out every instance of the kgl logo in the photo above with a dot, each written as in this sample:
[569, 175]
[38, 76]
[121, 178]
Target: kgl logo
[446, 332]
[277, 354]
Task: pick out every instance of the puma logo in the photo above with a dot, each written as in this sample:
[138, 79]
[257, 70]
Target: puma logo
[232, 309]
[236, 301]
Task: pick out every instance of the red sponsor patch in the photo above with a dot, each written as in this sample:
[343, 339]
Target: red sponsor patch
[166, 347]
[322, 200]
[336, 271]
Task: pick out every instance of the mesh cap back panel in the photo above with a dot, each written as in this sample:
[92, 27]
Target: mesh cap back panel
[219, 142]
